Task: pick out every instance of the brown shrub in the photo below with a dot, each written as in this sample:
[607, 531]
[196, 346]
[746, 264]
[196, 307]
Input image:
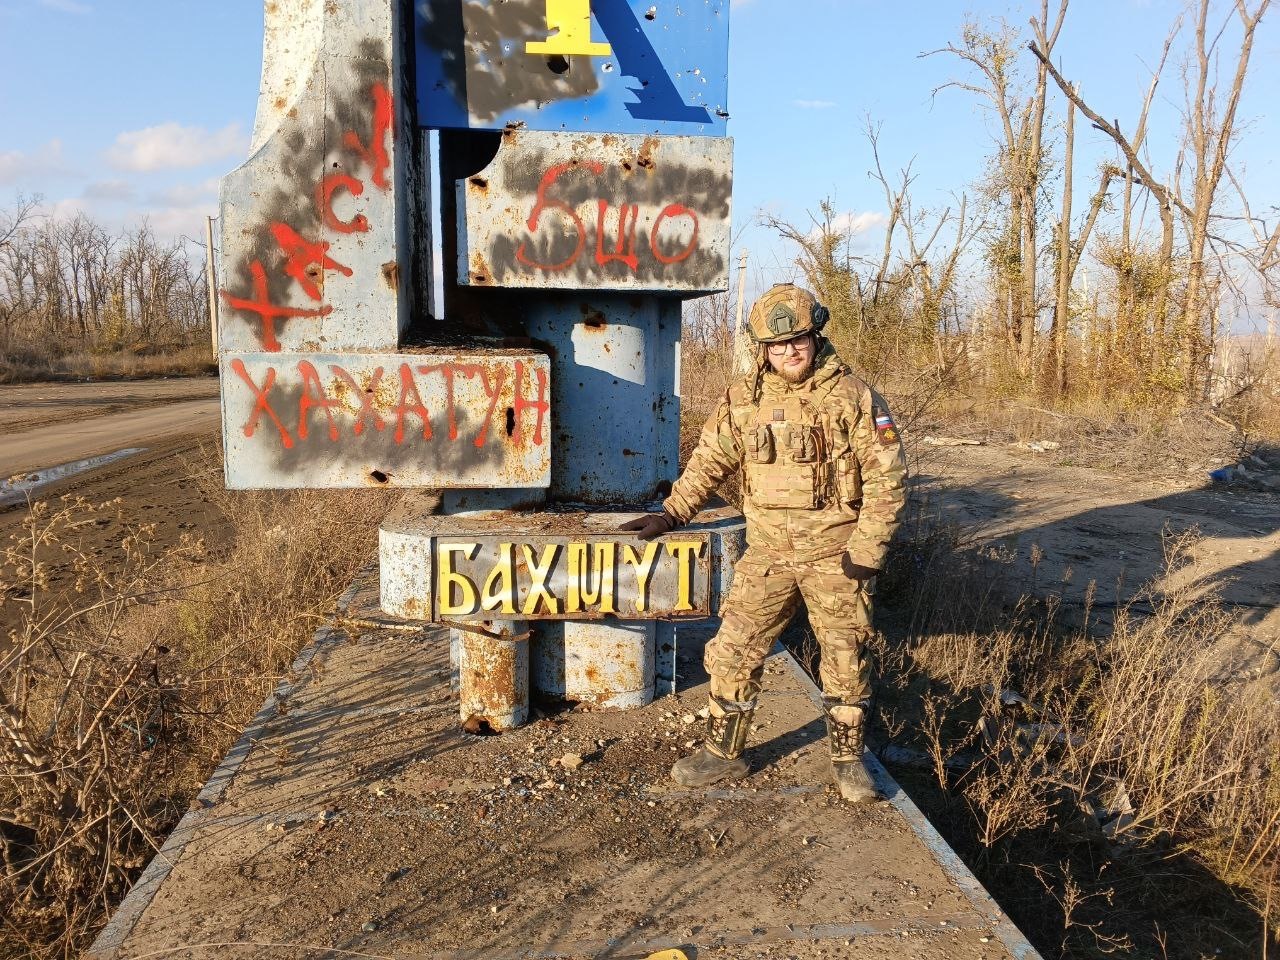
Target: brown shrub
[118, 697]
[1111, 767]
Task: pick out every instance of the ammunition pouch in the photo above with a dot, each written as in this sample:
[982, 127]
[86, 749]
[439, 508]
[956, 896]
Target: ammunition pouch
[848, 479]
[760, 445]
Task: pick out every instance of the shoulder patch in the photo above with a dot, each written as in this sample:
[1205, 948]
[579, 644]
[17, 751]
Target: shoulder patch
[886, 430]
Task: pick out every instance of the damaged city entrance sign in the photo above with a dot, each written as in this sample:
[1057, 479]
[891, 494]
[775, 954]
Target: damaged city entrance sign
[629, 66]
[473, 419]
[550, 578]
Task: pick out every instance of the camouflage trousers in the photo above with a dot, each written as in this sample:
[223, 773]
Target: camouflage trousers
[765, 594]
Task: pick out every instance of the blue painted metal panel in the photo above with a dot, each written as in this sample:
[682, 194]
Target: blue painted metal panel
[666, 70]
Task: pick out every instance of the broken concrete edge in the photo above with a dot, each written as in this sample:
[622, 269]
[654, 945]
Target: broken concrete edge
[983, 903]
[126, 916]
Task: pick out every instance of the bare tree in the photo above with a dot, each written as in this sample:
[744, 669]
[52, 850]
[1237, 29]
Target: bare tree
[11, 221]
[1165, 198]
[1210, 126]
[68, 284]
[1020, 161]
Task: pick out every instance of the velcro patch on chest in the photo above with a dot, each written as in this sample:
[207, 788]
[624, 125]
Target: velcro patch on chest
[886, 431]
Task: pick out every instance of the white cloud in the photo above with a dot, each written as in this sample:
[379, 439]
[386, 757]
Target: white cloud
[109, 190]
[852, 224]
[67, 6]
[815, 104]
[171, 146]
[170, 222]
[16, 166]
[190, 194]
[70, 208]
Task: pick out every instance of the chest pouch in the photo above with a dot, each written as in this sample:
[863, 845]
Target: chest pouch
[800, 442]
[760, 444]
[792, 477]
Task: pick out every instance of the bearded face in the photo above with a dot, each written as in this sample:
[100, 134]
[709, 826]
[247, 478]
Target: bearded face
[792, 359]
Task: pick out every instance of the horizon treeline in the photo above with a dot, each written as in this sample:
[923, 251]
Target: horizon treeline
[70, 285]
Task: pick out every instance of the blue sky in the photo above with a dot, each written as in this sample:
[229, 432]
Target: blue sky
[130, 108]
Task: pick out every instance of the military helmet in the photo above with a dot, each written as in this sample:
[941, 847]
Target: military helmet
[785, 311]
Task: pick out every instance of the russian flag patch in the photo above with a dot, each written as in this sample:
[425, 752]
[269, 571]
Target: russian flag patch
[885, 429]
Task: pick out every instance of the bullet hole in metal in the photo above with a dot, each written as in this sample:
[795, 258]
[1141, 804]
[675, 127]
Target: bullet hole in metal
[377, 476]
[511, 421]
[651, 13]
[335, 164]
[558, 64]
[607, 68]
[479, 182]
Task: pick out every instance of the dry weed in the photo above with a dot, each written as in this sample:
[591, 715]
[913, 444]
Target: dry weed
[117, 699]
[36, 365]
[1126, 748]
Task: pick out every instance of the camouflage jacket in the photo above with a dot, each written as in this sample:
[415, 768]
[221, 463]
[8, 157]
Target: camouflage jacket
[822, 465]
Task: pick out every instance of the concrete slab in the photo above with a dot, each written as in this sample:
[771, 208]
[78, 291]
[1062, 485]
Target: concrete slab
[356, 819]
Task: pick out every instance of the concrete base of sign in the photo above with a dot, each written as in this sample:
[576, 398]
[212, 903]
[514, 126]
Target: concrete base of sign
[610, 665]
[354, 817]
[603, 657]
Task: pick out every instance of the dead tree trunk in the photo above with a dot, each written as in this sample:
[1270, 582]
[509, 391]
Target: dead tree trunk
[1209, 143]
[1062, 308]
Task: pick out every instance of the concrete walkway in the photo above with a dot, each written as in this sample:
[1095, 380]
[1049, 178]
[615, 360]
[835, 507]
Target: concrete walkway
[355, 819]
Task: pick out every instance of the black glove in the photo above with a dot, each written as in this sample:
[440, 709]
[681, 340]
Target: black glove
[856, 571]
[650, 525]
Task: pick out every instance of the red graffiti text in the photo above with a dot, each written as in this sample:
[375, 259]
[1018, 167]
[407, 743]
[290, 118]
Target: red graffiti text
[615, 236]
[423, 402]
[305, 260]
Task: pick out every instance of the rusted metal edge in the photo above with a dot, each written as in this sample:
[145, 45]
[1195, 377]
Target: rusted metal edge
[968, 884]
[126, 916]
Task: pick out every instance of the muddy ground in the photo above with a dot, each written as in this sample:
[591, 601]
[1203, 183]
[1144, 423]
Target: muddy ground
[175, 421]
[363, 819]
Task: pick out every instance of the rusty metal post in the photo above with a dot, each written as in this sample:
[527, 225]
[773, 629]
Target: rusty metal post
[493, 674]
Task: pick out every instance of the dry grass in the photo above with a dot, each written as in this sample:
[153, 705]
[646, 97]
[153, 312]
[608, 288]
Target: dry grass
[1116, 774]
[35, 365]
[118, 698]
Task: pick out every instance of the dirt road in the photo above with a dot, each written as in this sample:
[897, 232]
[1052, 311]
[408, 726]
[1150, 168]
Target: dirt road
[1082, 525]
[44, 425]
[174, 421]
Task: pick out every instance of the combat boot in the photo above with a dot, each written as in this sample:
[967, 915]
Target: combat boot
[844, 735]
[720, 756]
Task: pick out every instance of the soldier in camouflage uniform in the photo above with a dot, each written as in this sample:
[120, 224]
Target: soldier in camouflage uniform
[823, 477]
